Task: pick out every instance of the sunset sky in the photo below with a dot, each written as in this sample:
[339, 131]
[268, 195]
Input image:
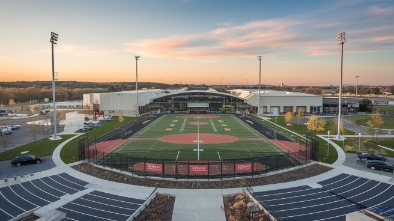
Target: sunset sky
[198, 41]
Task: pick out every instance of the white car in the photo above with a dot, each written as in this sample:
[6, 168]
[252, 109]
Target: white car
[6, 130]
[15, 126]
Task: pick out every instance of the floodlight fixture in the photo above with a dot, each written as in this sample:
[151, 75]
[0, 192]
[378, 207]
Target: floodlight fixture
[341, 40]
[54, 38]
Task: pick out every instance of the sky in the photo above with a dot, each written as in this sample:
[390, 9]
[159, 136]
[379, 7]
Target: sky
[199, 41]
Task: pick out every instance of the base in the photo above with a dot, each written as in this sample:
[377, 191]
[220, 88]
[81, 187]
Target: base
[57, 138]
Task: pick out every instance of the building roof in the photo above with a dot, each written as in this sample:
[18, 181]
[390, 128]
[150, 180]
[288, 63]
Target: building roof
[269, 93]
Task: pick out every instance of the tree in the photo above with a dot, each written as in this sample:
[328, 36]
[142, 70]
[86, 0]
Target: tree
[300, 114]
[11, 102]
[288, 118]
[320, 125]
[374, 123]
[33, 109]
[121, 118]
[60, 117]
[4, 141]
[331, 126]
[315, 124]
[311, 90]
[34, 129]
[365, 105]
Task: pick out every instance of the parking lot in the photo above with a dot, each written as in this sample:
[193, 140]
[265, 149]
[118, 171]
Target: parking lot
[26, 134]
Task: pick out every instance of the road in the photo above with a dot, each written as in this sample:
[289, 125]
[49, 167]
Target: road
[8, 171]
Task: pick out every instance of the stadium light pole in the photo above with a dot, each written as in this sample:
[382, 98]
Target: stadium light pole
[258, 109]
[136, 82]
[53, 40]
[341, 40]
[356, 89]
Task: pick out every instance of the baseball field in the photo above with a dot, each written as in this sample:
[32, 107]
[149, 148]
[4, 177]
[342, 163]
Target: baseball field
[197, 137]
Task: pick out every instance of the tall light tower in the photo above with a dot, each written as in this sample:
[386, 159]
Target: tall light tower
[356, 87]
[341, 40]
[136, 82]
[258, 109]
[53, 41]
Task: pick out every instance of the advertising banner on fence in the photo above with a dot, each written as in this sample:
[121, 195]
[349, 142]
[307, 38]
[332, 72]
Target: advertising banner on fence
[243, 167]
[153, 167]
[198, 169]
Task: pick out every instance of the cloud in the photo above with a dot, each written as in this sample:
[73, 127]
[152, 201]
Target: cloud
[312, 34]
[79, 50]
[208, 61]
[243, 40]
[384, 38]
[378, 10]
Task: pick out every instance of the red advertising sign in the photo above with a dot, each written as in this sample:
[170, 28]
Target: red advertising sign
[153, 167]
[243, 167]
[198, 169]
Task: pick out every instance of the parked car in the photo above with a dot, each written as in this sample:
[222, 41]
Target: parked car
[370, 156]
[18, 161]
[87, 127]
[15, 126]
[380, 165]
[6, 130]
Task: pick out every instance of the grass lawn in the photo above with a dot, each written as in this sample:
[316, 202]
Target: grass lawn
[175, 125]
[69, 153]
[350, 145]
[43, 147]
[388, 121]
[384, 108]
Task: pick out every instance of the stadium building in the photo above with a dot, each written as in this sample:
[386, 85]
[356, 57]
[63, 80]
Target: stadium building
[202, 100]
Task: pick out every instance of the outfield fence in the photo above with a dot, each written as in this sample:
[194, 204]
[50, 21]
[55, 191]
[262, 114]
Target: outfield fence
[143, 166]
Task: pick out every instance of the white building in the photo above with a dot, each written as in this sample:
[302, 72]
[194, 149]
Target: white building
[206, 99]
[281, 102]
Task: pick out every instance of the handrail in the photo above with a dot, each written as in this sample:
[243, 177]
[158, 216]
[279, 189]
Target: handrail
[142, 207]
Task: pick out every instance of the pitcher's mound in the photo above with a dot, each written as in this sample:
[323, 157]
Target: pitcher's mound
[198, 123]
[192, 138]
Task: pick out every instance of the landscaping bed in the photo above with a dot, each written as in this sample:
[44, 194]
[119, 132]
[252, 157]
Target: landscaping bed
[160, 208]
[239, 207]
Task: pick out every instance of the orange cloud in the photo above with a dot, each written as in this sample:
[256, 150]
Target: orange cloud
[80, 50]
[244, 40]
[384, 38]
